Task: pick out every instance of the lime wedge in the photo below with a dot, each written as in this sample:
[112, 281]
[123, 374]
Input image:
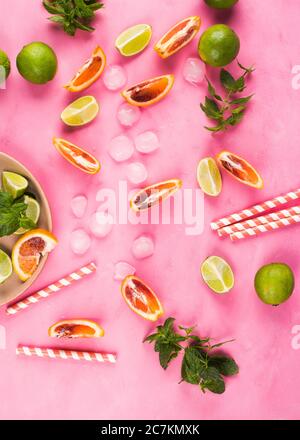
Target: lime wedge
[217, 274]
[134, 39]
[209, 177]
[5, 266]
[80, 112]
[14, 184]
[33, 212]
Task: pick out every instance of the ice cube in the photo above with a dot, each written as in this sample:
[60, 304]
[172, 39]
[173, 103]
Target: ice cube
[121, 148]
[193, 71]
[2, 337]
[80, 241]
[146, 142]
[114, 77]
[122, 269]
[136, 173]
[101, 224]
[78, 206]
[128, 114]
[142, 247]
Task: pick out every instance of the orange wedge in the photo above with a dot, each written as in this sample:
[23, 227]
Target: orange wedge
[29, 249]
[149, 91]
[89, 72]
[154, 194]
[78, 157]
[76, 328]
[240, 169]
[178, 36]
[140, 298]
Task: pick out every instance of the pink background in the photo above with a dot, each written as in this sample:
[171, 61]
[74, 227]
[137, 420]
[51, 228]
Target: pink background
[137, 387]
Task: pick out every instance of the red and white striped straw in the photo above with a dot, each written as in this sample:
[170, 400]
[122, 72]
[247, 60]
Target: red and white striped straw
[271, 226]
[54, 353]
[51, 289]
[257, 221]
[256, 209]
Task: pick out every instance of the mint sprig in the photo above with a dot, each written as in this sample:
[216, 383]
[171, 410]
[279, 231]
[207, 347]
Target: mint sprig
[13, 214]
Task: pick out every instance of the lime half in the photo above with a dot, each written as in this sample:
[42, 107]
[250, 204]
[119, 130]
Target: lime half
[217, 274]
[5, 266]
[80, 112]
[14, 184]
[33, 212]
[209, 177]
[134, 39]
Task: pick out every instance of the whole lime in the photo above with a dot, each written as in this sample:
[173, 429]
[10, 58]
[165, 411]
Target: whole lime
[218, 45]
[274, 283]
[5, 63]
[37, 63]
[221, 4]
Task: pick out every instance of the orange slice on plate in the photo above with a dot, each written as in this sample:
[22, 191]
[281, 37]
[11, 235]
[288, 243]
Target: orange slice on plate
[76, 328]
[29, 249]
[178, 36]
[149, 91]
[240, 169]
[78, 157]
[89, 72]
[154, 194]
[140, 298]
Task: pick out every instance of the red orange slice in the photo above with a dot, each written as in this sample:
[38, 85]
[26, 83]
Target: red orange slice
[76, 328]
[78, 157]
[149, 91]
[154, 194]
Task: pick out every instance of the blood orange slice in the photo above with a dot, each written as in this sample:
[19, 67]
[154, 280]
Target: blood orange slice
[140, 298]
[154, 194]
[78, 157]
[149, 91]
[240, 169]
[76, 328]
[89, 72]
[178, 36]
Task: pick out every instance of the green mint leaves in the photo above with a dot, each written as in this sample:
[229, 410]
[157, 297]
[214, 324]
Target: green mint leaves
[13, 215]
[73, 14]
[199, 365]
[229, 110]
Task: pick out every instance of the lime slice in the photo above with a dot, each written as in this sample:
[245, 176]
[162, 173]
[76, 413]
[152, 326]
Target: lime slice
[209, 177]
[14, 184]
[33, 212]
[5, 266]
[134, 39]
[80, 112]
[217, 274]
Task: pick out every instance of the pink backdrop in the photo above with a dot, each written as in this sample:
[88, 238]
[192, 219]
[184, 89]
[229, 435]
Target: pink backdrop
[137, 387]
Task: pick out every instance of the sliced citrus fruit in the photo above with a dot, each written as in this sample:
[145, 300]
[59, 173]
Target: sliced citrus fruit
[217, 274]
[140, 298]
[76, 328]
[89, 72]
[209, 177]
[240, 169]
[5, 266]
[178, 36]
[154, 194]
[29, 249]
[134, 39]
[80, 112]
[77, 156]
[14, 184]
[149, 91]
[32, 212]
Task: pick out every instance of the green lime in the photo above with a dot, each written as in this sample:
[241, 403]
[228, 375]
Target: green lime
[37, 63]
[221, 4]
[217, 274]
[134, 39]
[274, 283]
[5, 266]
[33, 212]
[14, 184]
[218, 45]
[5, 64]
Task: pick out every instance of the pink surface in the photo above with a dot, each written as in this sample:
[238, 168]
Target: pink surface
[137, 387]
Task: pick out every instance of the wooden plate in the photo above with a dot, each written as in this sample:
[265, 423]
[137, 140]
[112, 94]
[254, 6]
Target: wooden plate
[13, 287]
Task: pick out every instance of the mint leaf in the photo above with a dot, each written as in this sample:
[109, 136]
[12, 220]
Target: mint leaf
[212, 381]
[6, 200]
[212, 90]
[227, 81]
[194, 361]
[211, 109]
[224, 364]
[241, 100]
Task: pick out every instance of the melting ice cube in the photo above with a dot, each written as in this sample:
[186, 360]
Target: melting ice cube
[128, 114]
[114, 77]
[122, 269]
[121, 148]
[146, 142]
[136, 173]
[80, 241]
[101, 224]
[193, 71]
[78, 206]
[142, 247]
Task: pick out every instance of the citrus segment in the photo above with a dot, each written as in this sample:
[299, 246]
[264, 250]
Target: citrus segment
[178, 36]
[5, 266]
[77, 156]
[76, 328]
[150, 91]
[140, 298]
[217, 274]
[209, 177]
[32, 212]
[134, 39]
[80, 112]
[240, 169]
[154, 194]
[14, 184]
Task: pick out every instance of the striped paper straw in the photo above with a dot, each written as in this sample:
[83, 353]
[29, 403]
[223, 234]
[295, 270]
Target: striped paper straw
[256, 209]
[271, 226]
[54, 353]
[257, 221]
[51, 289]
